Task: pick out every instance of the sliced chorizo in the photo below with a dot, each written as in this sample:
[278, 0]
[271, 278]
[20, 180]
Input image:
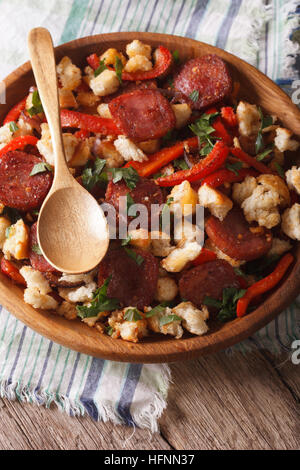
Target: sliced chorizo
[208, 279]
[132, 283]
[207, 78]
[37, 261]
[236, 238]
[17, 188]
[143, 114]
[146, 192]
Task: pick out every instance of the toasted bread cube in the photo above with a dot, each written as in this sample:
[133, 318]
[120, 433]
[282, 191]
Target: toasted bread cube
[172, 328]
[4, 224]
[184, 252]
[105, 83]
[291, 222]
[184, 197]
[129, 150]
[150, 146]
[140, 238]
[293, 178]
[166, 289]
[110, 56]
[138, 63]
[284, 141]
[182, 113]
[67, 98]
[69, 75]
[17, 243]
[136, 47]
[193, 319]
[45, 147]
[103, 111]
[217, 203]
[248, 118]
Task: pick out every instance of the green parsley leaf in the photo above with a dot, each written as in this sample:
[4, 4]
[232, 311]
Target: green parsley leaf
[226, 307]
[171, 82]
[37, 106]
[263, 154]
[13, 126]
[119, 68]
[165, 211]
[40, 168]
[211, 302]
[279, 169]
[169, 137]
[100, 69]
[176, 57]
[129, 201]
[126, 241]
[202, 129]
[100, 303]
[158, 309]
[132, 314]
[234, 166]
[266, 121]
[239, 272]
[194, 96]
[92, 176]
[109, 330]
[36, 248]
[129, 175]
[135, 256]
[180, 164]
[168, 319]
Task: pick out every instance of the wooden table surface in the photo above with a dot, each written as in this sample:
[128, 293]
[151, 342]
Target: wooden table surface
[216, 402]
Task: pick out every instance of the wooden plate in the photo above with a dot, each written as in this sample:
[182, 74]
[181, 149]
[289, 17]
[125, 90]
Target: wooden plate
[256, 88]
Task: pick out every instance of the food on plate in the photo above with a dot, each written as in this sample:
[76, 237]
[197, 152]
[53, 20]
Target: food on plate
[154, 138]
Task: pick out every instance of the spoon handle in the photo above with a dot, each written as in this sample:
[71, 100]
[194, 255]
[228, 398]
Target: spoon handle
[43, 64]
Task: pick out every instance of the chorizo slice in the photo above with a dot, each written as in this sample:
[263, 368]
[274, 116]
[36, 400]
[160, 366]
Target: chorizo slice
[17, 188]
[204, 81]
[143, 114]
[208, 279]
[132, 283]
[146, 192]
[37, 261]
[236, 238]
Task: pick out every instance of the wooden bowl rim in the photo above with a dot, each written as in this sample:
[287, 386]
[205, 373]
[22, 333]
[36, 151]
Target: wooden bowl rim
[80, 337]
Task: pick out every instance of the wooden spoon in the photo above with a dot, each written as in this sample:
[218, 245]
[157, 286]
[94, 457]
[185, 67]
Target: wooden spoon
[72, 228]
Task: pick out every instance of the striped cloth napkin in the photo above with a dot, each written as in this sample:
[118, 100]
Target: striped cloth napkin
[34, 369]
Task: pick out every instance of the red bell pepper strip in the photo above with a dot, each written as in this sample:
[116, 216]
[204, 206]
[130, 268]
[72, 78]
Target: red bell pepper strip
[229, 117]
[19, 143]
[220, 129]
[88, 122]
[14, 113]
[12, 272]
[251, 161]
[163, 61]
[227, 176]
[205, 256]
[93, 61]
[264, 285]
[214, 160]
[82, 134]
[162, 158]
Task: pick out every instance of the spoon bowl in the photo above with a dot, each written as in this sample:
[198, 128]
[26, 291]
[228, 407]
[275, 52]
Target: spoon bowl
[72, 229]
[66, 248]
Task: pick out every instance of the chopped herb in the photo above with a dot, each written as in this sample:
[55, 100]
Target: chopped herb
[180, 164]
[194, 96]
[100, 303]
[132, 314]
[126, 241]
[226, 307]
[100, 69]
[165, 210]
[13, 126]
[266, 121]
[176, 57]
[203, 130]
[279, 169]
[13, 214]
[119, 68]
[171, 82]
[35, 212]
[169, 136]
[109, 330]
[36, 248]
[40, 168]
[92, 176]
[157, 175]
[135, 256]
[168, 319]
[129, 201]
[239, 272]
[263, 154]
[158, 309]
[234, 166]
[7, 232]
[37, 106]
[129, 175]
